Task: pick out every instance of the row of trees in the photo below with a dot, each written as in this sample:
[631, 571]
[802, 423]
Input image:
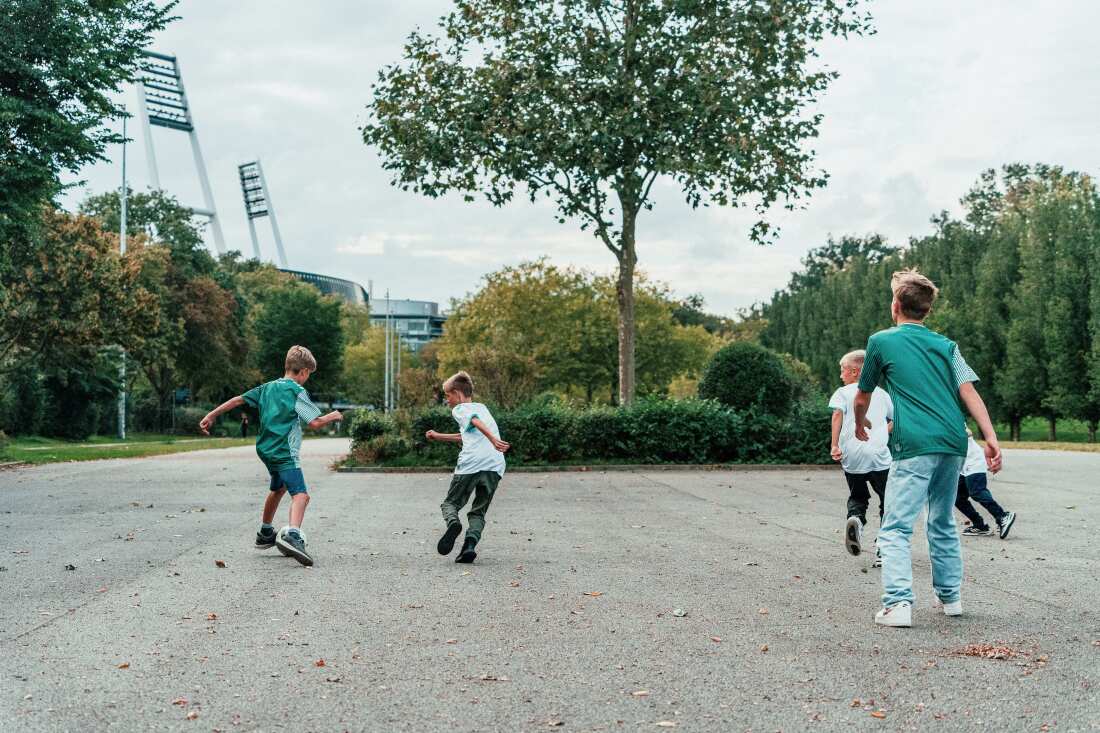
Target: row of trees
[1019, 275]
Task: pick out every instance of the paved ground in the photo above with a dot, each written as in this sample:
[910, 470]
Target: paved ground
[566, 622]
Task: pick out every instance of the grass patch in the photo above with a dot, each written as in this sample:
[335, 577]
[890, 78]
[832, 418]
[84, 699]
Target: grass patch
[1047, 445]
[37, 450]
[1035, 430]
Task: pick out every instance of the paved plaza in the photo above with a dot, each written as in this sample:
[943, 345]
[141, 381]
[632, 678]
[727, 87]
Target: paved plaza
[693, 600]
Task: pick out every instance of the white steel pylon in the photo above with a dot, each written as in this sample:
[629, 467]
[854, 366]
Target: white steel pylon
[162, 102]
[257, 203]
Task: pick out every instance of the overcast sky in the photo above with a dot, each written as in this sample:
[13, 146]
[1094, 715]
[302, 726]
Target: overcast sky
[944, 90]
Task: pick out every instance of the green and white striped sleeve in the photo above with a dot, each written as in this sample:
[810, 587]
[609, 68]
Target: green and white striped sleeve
[962, 370]
[307, 411]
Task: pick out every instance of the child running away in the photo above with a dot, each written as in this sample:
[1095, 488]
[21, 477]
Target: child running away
[929, 382]
[864, 464]
[284, 407]
[973, 485]
[479, 470]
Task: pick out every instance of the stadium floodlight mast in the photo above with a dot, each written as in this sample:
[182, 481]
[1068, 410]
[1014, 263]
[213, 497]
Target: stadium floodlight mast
[123, 193]
[257, 203]
[163, 102]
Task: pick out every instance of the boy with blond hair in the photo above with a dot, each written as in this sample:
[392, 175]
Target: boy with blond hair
[864, 463]
[284, 406]
[478, 471]
[929, 383]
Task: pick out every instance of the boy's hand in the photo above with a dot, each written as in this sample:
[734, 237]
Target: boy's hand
[500, 445]
[205, 424]
[993, 455]
[861, 430]
[430, 435]
[335, 416]
[835, 453]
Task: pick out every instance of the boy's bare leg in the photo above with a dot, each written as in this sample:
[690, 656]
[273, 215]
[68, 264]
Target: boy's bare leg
[298, 504]
[272, 504]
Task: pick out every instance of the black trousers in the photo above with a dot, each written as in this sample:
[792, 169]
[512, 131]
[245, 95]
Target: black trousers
[975, 487]
[859, 497]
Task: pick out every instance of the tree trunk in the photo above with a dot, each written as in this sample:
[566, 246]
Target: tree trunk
[625, 291]
[1052, 430]
[1014, 429]
[1092, 431]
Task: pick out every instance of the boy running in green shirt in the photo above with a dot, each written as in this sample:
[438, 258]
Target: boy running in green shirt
[929, 382]
[284, 406]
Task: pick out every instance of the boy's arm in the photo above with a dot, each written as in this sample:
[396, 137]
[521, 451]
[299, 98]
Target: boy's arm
[976, 407]
[838, 420]
[206, 423]
[444, 437]
[861, 403]
[499, 444]
[323, 420]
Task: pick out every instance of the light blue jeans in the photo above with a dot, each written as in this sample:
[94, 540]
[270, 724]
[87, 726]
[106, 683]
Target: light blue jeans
[915, 483]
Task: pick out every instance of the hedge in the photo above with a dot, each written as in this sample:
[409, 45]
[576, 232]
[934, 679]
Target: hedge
[649, 431]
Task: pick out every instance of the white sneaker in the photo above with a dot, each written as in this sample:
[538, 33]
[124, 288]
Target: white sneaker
[899, 614]
[955, 608]
[853, 535]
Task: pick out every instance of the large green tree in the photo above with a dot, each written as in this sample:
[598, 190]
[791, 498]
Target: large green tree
[60, 62]
[298, 313]
[588, 102]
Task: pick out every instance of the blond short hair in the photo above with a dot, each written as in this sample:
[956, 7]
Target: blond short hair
[299, 358]
[853, 358]
[914, 292]
[460, 382]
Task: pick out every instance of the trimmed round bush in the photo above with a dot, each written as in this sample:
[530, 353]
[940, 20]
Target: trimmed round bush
[746, 376]
[368, 424]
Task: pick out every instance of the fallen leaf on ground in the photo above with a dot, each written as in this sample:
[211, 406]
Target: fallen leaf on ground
[763, 612]
[70, 567]
[679, 612]
[716, 639]
[193, 715]
[319, 663]
[594, 593]
[555, 723]
[124, 665]
[101, 590]
[514, 584]
[219, 563]
[986, 651]
[180, 701]
[878, 714]
[666, 724]
[451, 641]
[764, 647]
[211, 616]
[640, 693]
[493, 678]
[332, 679]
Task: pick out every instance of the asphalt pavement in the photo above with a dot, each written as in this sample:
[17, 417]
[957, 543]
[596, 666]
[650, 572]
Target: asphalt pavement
[694, 601]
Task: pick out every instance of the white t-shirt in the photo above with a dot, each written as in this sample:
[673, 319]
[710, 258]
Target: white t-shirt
[478, 454]
[857, 456]
[975, 459]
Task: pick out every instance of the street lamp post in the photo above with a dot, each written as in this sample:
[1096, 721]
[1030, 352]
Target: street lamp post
[122, 251]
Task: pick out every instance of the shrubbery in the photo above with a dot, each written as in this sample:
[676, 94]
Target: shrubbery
[747, 376]
[649, 431]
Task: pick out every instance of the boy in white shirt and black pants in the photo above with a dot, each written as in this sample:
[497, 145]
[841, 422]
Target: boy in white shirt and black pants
[864, 463]
[480, 465]
[973, 485]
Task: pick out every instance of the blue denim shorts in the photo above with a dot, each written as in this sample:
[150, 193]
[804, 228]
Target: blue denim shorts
[290, 478]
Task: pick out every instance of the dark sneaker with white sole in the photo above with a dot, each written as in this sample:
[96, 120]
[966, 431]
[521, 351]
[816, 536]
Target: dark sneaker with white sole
[973, 531]
[853, 536]
[265, 540]
[447, 541]
[467, 555]
[1006, 523]
[292, 544]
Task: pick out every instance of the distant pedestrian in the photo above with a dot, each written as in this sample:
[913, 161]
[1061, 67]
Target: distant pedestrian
[479, 469]
[244, 424]
[973, 484]
[284, 406]
[864, 463]
[929, 382]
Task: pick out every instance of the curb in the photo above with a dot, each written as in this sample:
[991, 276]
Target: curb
[625, 468]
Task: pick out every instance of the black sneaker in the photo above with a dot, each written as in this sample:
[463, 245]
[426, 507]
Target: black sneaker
[447, 541]
[853, 536]
[1006, 523]
[292, 544]
[467, 555]
[265, 540]
[974, 531]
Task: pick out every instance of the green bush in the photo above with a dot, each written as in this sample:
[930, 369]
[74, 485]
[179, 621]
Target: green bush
[186, 420]
[746, 376]
[368, 424]
[649, 431]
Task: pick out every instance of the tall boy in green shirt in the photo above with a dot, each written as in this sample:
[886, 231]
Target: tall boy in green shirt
[284, 406]
[929, 382]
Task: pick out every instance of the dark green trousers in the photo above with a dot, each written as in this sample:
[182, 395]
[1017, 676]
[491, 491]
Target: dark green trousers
[482, 485]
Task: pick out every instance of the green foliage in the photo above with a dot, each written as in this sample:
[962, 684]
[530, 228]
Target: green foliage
[22, 400]
[747, 376]
[299, 314]
[62, 61]
[647, 431]
[368, 424]
[77, 396]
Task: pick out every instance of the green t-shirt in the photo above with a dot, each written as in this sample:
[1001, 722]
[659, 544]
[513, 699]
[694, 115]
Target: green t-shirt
[922, 371]
[284, 405]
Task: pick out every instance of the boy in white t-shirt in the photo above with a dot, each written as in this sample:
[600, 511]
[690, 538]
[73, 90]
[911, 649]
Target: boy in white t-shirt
[973, 485]
[480, 465]
[864, 463]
